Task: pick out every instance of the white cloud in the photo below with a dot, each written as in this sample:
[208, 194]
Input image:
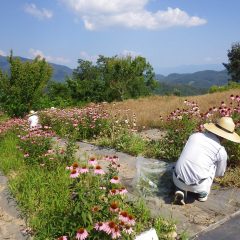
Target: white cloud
[130, 53]
[85, 56]
[98, 14]
[35, 53]
[38, 13]
[2, 53]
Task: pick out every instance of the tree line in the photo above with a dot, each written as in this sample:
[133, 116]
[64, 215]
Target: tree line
[28, 86]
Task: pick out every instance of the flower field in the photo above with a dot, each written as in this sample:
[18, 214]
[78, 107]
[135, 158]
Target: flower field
[64, 197]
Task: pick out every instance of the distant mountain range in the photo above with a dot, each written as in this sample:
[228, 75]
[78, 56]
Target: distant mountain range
[202, 79]
[182, 84]
[191, 83]
[60, 72]
[189, 68]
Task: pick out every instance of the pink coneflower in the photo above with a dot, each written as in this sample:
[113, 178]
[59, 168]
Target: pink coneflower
[83, 169]
[114, 207]
[100, 226]
[131, 220]
[26, 155]
[113, 192]
[69, 167]
[128, 229]
[74, 174]
[123, 190]
[92, 161]
[116, 233]
[75, 165]
[123, 216]
[81, 234]
[109, 227]
[62, 238]
[115, 180]
[98, 170]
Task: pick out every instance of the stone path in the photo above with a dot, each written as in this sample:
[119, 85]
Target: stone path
[222, 231]
[10, 222]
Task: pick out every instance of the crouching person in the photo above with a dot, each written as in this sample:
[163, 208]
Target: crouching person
[202, 159]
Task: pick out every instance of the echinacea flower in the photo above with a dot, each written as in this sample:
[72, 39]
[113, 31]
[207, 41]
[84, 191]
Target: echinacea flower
[81, 234]
[83, 169]
[74, 174]
[131, 220]
[115, 180]
[116, 233]
[128, 229]
[114, 207]
[113, 192]
[109, 227]
[122, 191]
[98, 170]
[62, 238]
[123, 216]
[75, 165]
[92, 161]
[100, 226]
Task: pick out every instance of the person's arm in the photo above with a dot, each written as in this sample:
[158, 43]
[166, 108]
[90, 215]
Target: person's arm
[221, 163]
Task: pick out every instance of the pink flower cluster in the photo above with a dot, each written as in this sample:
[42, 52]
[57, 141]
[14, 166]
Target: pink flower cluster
[114, 228]
[227, 110]
[77, 116]
[76, 170]
[191, 110]
[12, 123]
[38, 133]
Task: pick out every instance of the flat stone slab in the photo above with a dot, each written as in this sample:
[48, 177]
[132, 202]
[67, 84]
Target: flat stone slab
[10, 222]
[225, 230]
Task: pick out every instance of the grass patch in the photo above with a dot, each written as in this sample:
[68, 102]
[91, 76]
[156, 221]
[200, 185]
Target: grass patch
[231, 178]
[43, 197]
[11, 157]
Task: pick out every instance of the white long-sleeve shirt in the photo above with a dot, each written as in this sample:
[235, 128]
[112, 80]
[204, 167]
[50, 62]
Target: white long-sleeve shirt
[33, 121]
[202, 157]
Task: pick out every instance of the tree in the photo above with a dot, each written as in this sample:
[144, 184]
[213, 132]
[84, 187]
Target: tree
[24, 84]
[233, 67]
[112, 78]
[86, 83]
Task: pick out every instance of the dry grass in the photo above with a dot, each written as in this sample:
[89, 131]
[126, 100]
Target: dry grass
[149, 109]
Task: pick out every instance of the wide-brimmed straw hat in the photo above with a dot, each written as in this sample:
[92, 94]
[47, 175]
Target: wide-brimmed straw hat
[225, 128]
[32, 112]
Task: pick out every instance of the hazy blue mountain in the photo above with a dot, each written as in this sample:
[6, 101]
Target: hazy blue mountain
[202, 79]
[191, 83]
[189, 68]
[60, 72]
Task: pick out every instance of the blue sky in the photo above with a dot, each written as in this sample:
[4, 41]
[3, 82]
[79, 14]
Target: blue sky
[170, 34]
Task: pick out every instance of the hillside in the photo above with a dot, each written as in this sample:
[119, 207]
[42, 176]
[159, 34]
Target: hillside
[190, 83]
[202, 79]
[149, 109]
[60, 72]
